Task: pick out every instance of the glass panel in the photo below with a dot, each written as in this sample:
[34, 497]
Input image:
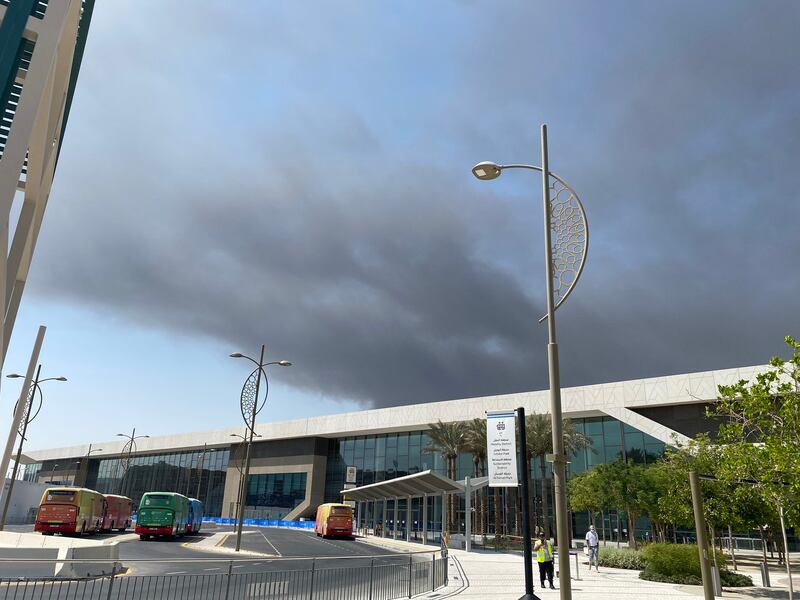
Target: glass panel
[612, 432]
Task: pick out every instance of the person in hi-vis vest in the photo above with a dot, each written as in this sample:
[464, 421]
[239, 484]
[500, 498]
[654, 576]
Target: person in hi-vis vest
[544, 555]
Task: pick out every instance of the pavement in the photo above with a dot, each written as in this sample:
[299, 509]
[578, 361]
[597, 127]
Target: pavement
[500, 576]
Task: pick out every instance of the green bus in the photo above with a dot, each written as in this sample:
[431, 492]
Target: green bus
[163, 514]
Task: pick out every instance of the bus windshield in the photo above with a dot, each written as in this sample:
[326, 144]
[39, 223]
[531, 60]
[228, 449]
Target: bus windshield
[158, 500]
[341, 511]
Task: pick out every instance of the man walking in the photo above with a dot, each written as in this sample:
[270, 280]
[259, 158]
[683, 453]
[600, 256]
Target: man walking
[593, 544]
[544, 555]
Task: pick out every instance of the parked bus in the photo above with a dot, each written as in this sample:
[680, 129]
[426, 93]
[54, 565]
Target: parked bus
[195, 519]
[162, 514]
[69, 510]
[117, 513]
[334, 519]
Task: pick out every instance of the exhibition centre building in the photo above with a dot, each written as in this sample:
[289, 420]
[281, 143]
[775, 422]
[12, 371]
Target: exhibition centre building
[297, 465]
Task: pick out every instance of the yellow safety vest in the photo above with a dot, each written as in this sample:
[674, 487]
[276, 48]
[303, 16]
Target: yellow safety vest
[545, 552]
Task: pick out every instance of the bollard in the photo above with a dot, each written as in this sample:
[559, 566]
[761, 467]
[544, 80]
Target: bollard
[433, 571]
[764, 574]
[313, 569]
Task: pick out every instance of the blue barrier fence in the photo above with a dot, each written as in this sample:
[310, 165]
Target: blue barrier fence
[257, 522]
[262, 522]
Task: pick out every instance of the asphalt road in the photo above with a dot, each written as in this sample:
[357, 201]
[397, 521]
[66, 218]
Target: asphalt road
[182, 568]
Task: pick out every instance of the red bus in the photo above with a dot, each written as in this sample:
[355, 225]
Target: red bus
[334, 519]
[117, 513]
[69, 510]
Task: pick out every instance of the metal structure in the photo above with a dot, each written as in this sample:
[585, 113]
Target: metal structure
[378, 577]
[240, 468]
[251, 404]
[564, 219]
[41, 49]
[128, 450]
[33, 404]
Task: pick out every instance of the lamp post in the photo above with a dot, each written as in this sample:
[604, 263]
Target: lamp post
[32, 407]
[128, 449]
[239, 467]
[200, 470]
[251, 405]
[53, 473]
[564, 260]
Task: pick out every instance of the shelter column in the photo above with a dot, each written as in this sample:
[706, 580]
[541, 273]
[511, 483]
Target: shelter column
[384, 523]
[394, 528]
[408, 519]
[468, 513]
[444, 516]
[424, 519]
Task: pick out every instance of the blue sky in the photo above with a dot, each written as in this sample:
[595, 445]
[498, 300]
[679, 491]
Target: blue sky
[298, 174]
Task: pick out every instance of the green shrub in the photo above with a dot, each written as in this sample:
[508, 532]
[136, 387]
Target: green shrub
[619, 558]
[731, 579]
[683, 579]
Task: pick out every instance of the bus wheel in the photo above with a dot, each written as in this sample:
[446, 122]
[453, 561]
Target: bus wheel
[144, 537]
[83, 528]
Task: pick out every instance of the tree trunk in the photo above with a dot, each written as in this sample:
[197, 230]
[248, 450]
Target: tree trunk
[603, 523]
[518, 513]
[763, 543]
[631, 530]
[619, 529]
[733, 552]
[545, 515]
[497, 521]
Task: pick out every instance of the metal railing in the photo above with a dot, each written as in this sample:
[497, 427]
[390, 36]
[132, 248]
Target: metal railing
[379, 577]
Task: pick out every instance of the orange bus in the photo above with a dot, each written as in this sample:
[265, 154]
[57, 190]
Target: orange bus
[69, 510]
[116, 513]
[334, 519]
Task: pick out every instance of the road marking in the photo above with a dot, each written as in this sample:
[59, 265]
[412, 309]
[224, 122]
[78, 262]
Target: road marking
[238, 566]
[177, 573]
[214, 569]
[222, 540]
[270, 543]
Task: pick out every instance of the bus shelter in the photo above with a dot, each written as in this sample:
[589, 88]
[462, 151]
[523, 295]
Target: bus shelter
[422, 485]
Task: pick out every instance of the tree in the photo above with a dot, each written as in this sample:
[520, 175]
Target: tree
[539, 443]
[475, 443]
[626, 484]
[448, 439]
[585, 494]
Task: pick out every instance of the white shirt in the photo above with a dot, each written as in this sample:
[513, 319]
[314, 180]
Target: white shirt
[591, 538]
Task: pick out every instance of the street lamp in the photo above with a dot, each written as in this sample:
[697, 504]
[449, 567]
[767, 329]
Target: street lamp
[241, 470]
[564, 260]
[251, 405]
[128, 449]
[34, 394]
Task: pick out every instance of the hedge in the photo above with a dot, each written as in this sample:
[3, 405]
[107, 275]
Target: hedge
[619, 558]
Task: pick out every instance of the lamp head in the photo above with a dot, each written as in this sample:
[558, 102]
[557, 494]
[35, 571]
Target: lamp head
[236, 355]
[284, 363]
[61, 378]
[486, 170]
[14, 376]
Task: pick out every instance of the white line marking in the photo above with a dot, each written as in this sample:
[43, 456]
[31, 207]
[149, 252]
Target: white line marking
[214, 569]
[177, 573]
[238, 566]
[270, 543]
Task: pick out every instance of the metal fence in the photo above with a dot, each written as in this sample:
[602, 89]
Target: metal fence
[380, 577]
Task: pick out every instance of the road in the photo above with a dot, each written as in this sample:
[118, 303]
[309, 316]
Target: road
[184, 568]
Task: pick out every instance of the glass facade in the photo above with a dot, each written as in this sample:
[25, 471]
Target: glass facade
[274, 495]
[32, 472]
[382, 457]
[194, 473]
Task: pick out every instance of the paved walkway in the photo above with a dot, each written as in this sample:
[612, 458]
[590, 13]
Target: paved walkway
[499, 576]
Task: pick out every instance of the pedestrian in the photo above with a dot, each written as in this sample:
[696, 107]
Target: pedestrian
[593, 544]
[544, 555]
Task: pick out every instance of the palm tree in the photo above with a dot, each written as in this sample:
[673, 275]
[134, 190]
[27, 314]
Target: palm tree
[448, 439]
[476, 444]
[539, 441]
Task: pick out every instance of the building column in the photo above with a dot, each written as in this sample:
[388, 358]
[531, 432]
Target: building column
[424, 519]
[394, 529]
[444, 515]
[408, 519]
[385, 523]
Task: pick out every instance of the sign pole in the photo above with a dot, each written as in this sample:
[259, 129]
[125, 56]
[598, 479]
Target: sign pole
[527, 554]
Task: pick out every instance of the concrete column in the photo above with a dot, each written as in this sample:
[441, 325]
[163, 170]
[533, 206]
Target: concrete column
[394, 529]
[385, 522]
[424, 519]
[444, 514]
[468, 513]
[409, 524]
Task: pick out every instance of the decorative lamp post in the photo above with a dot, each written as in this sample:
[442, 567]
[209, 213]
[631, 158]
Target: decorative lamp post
[251, 404]
[128, 450]
[33, 405]
[566, 243]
